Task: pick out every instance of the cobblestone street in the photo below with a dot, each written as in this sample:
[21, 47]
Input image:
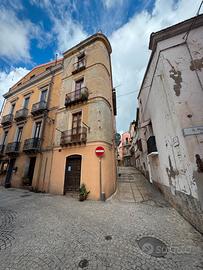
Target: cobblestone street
[43, 231]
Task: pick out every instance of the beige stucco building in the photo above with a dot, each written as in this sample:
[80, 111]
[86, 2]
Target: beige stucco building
[171, 117]
[69, 120]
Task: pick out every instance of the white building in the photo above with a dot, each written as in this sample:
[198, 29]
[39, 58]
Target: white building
[171, 117]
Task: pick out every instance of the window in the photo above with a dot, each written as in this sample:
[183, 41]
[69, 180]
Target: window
[19, 134]
[81, 60]
[12, 108]
[26, 102]
[79, 84]
[5, 137]
[37, 130]
[32, 76]
[43, 97]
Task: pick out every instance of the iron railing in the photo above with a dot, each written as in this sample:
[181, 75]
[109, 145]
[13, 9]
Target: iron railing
[75, 135]
[39, 107]
[7, 119]
[12, 148]
[80, 65]
[32, 144]
[79, 95]
[21, 114]
[151, 145]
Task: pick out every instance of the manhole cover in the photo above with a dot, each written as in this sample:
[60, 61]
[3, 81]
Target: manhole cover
[83, 263]
[153, 246]
[25, 195]
[108, 237]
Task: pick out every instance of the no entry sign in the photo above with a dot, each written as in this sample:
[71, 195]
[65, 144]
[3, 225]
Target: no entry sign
[99, 151]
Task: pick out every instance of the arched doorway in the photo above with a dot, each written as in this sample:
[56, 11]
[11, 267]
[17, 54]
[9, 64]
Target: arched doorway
[72, 173]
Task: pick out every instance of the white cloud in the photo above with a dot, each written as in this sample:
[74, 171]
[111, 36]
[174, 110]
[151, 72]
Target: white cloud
[14, 37]
[68, 34]
[112, 3]
[9, 79]
[130, 51]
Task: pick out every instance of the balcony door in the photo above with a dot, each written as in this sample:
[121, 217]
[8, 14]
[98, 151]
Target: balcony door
[78, 86]
[37, 131]
[43, 97]
[76, 126]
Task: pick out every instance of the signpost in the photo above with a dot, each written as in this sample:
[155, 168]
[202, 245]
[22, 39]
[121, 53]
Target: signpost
[99, 151]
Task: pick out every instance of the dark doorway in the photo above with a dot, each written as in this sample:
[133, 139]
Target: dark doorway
[72, 173]
[9, 173]
[31, 169]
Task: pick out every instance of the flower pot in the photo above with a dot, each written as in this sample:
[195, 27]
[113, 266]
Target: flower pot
[82, 198]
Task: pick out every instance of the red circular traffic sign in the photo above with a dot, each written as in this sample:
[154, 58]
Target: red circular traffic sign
[99, 151]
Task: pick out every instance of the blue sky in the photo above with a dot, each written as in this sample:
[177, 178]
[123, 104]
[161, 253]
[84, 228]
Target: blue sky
[33, 31]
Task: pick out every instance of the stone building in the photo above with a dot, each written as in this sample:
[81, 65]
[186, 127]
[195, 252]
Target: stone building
[171, 117]
[70, 111]
[124, 150]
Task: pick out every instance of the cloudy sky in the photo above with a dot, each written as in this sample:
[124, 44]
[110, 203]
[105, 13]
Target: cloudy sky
[33, 31]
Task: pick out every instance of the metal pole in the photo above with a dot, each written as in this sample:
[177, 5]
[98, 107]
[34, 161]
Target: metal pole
[100, 179]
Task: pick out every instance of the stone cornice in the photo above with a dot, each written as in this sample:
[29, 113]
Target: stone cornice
[174, 30]
[34, 80]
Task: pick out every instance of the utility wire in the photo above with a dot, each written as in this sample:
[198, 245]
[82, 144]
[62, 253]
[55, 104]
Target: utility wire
[193, 22]
[127, 94]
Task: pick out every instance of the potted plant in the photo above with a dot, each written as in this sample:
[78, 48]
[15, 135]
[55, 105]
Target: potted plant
[26, 181]
[84, 94]
[83, 193]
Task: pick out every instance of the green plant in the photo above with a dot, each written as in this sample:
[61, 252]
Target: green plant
[83, 193]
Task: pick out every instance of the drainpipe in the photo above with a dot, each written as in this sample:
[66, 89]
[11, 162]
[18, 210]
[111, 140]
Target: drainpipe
[43, 128]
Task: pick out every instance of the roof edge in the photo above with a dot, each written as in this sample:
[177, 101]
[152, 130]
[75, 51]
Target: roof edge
[174, 30]
[87, 41]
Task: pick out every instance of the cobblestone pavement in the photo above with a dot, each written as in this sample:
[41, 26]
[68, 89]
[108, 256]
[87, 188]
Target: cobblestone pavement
[43, 231]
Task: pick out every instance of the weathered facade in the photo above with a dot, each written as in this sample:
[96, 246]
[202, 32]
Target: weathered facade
[171, 117]
[64, 124]
[124, 156]
[27, 127]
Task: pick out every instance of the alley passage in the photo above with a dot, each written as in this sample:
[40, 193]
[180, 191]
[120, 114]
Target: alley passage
[134, 187]
[134, 230]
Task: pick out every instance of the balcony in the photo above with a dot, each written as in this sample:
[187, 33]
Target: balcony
[2, 147]
[13, 148]
[79, 66]
[32, 145]
[39, 108]
[74, 136]
[21, 114]
[77, 96]
[7, 119]
[151, 146]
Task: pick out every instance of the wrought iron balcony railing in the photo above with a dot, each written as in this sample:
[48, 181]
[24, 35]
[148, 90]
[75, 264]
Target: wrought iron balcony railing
[12, 148]
[7, 119]
[75, 135]
[79, 66]
[32, 145]
[76, 96]
[39, 108]
[21, 114]
[151, 145]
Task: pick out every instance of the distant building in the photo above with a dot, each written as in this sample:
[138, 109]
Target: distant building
[124, 150]
[170, 118]
[55, 117]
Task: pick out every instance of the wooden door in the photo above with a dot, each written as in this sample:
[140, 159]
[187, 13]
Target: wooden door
[76, 126]
[9, 172]
[72, 173]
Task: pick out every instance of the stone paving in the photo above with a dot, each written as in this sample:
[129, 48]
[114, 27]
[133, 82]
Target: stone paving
[43, 231]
